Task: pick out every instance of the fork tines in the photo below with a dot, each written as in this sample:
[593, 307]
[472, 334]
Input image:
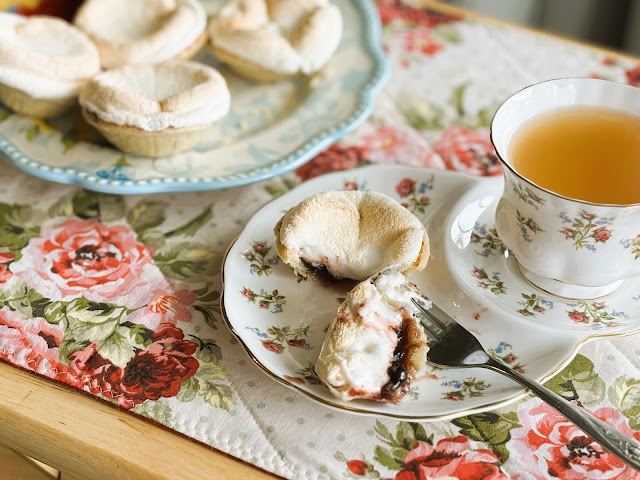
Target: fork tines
[433, 319]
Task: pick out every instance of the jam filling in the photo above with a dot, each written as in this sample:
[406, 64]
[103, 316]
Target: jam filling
[398, 383]
[321, 274]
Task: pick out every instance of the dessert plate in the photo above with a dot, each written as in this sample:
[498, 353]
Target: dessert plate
[272, 128]
[282, 321]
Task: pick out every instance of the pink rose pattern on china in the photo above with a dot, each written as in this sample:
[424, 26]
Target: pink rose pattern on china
[413, 194]
[586, 229]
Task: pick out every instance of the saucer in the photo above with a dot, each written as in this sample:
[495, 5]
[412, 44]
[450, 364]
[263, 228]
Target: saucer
[281, 321]
[484, 267]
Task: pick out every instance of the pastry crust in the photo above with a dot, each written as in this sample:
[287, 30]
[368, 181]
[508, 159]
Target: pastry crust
[375, 347]
[147, 144]
[23, 103]
[351, 234]
[272, 39]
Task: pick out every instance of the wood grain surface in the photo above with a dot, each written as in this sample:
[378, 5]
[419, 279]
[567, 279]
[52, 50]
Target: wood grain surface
[90, 439]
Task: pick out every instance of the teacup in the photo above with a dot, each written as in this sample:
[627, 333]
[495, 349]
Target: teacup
[567, 247]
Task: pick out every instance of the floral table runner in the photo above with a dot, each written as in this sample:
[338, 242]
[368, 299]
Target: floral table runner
[119, 296]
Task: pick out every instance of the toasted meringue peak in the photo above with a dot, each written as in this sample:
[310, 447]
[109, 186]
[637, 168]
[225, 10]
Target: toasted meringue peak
[155, 97]
[45, 57]
[143, 31]
[283, 37]
[352, 234]
[375, 347]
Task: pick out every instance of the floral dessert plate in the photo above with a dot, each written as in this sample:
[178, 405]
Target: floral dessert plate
[272, 127]
[282, 321]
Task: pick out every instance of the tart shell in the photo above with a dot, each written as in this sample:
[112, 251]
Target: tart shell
[136, 141]
[21, 102]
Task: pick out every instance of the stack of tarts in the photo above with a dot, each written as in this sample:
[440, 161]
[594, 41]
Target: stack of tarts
[375, 347]
[127, 63]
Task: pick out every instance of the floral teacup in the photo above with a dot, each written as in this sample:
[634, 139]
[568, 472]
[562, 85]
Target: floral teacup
[567, 247]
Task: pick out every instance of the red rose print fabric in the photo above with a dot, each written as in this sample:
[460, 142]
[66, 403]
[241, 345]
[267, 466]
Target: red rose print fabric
[76, 257]
[552, 447]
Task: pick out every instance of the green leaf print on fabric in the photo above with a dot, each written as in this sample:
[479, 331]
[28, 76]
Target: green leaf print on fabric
[103, 206]
[217, 395]
[407, 435]
[420, 114]
[208, 350]
[208, 304]
[20, 298]
[140, 334]
[578, 381]
[192, 226]
[158, 411]
[492, 428]
[188, 261]
[188, 390]
[63, 207]
[624, 394]
[92, 321]
[86, 322]
[54, 312]
[117, 348]
[145, 215]
[17, 227]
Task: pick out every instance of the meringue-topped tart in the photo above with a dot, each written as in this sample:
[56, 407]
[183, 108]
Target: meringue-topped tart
[155, 110]
[143, 31]
[375, 347]
[272, 39]
[44, 62]
[351, 235]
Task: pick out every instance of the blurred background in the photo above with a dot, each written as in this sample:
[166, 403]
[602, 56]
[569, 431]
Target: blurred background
[609, 23]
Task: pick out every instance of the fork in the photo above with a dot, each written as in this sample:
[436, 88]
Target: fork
[451, 345]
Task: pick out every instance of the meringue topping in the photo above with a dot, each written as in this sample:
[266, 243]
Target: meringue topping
[352, 234]
[282, 36]
[143, 31]
[45, 57]
[156, 97]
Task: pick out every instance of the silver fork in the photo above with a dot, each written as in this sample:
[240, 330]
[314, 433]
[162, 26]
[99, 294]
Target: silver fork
[451, 345]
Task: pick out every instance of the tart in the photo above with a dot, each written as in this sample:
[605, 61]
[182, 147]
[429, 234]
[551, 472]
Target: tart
[268, 40]
[143, 31]
[351, 235]
[44, 63]
[375, 347]
[155, 110]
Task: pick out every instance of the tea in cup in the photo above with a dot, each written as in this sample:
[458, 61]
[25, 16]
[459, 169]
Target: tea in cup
[570, 209]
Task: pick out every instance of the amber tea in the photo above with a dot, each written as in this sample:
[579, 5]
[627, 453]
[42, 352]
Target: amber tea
[584, 153]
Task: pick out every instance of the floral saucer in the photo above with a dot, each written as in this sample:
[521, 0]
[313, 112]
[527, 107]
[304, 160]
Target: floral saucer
[271, 129]
[282, 321]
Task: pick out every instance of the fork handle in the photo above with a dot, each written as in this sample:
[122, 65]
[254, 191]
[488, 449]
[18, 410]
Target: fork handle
[623, 447]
